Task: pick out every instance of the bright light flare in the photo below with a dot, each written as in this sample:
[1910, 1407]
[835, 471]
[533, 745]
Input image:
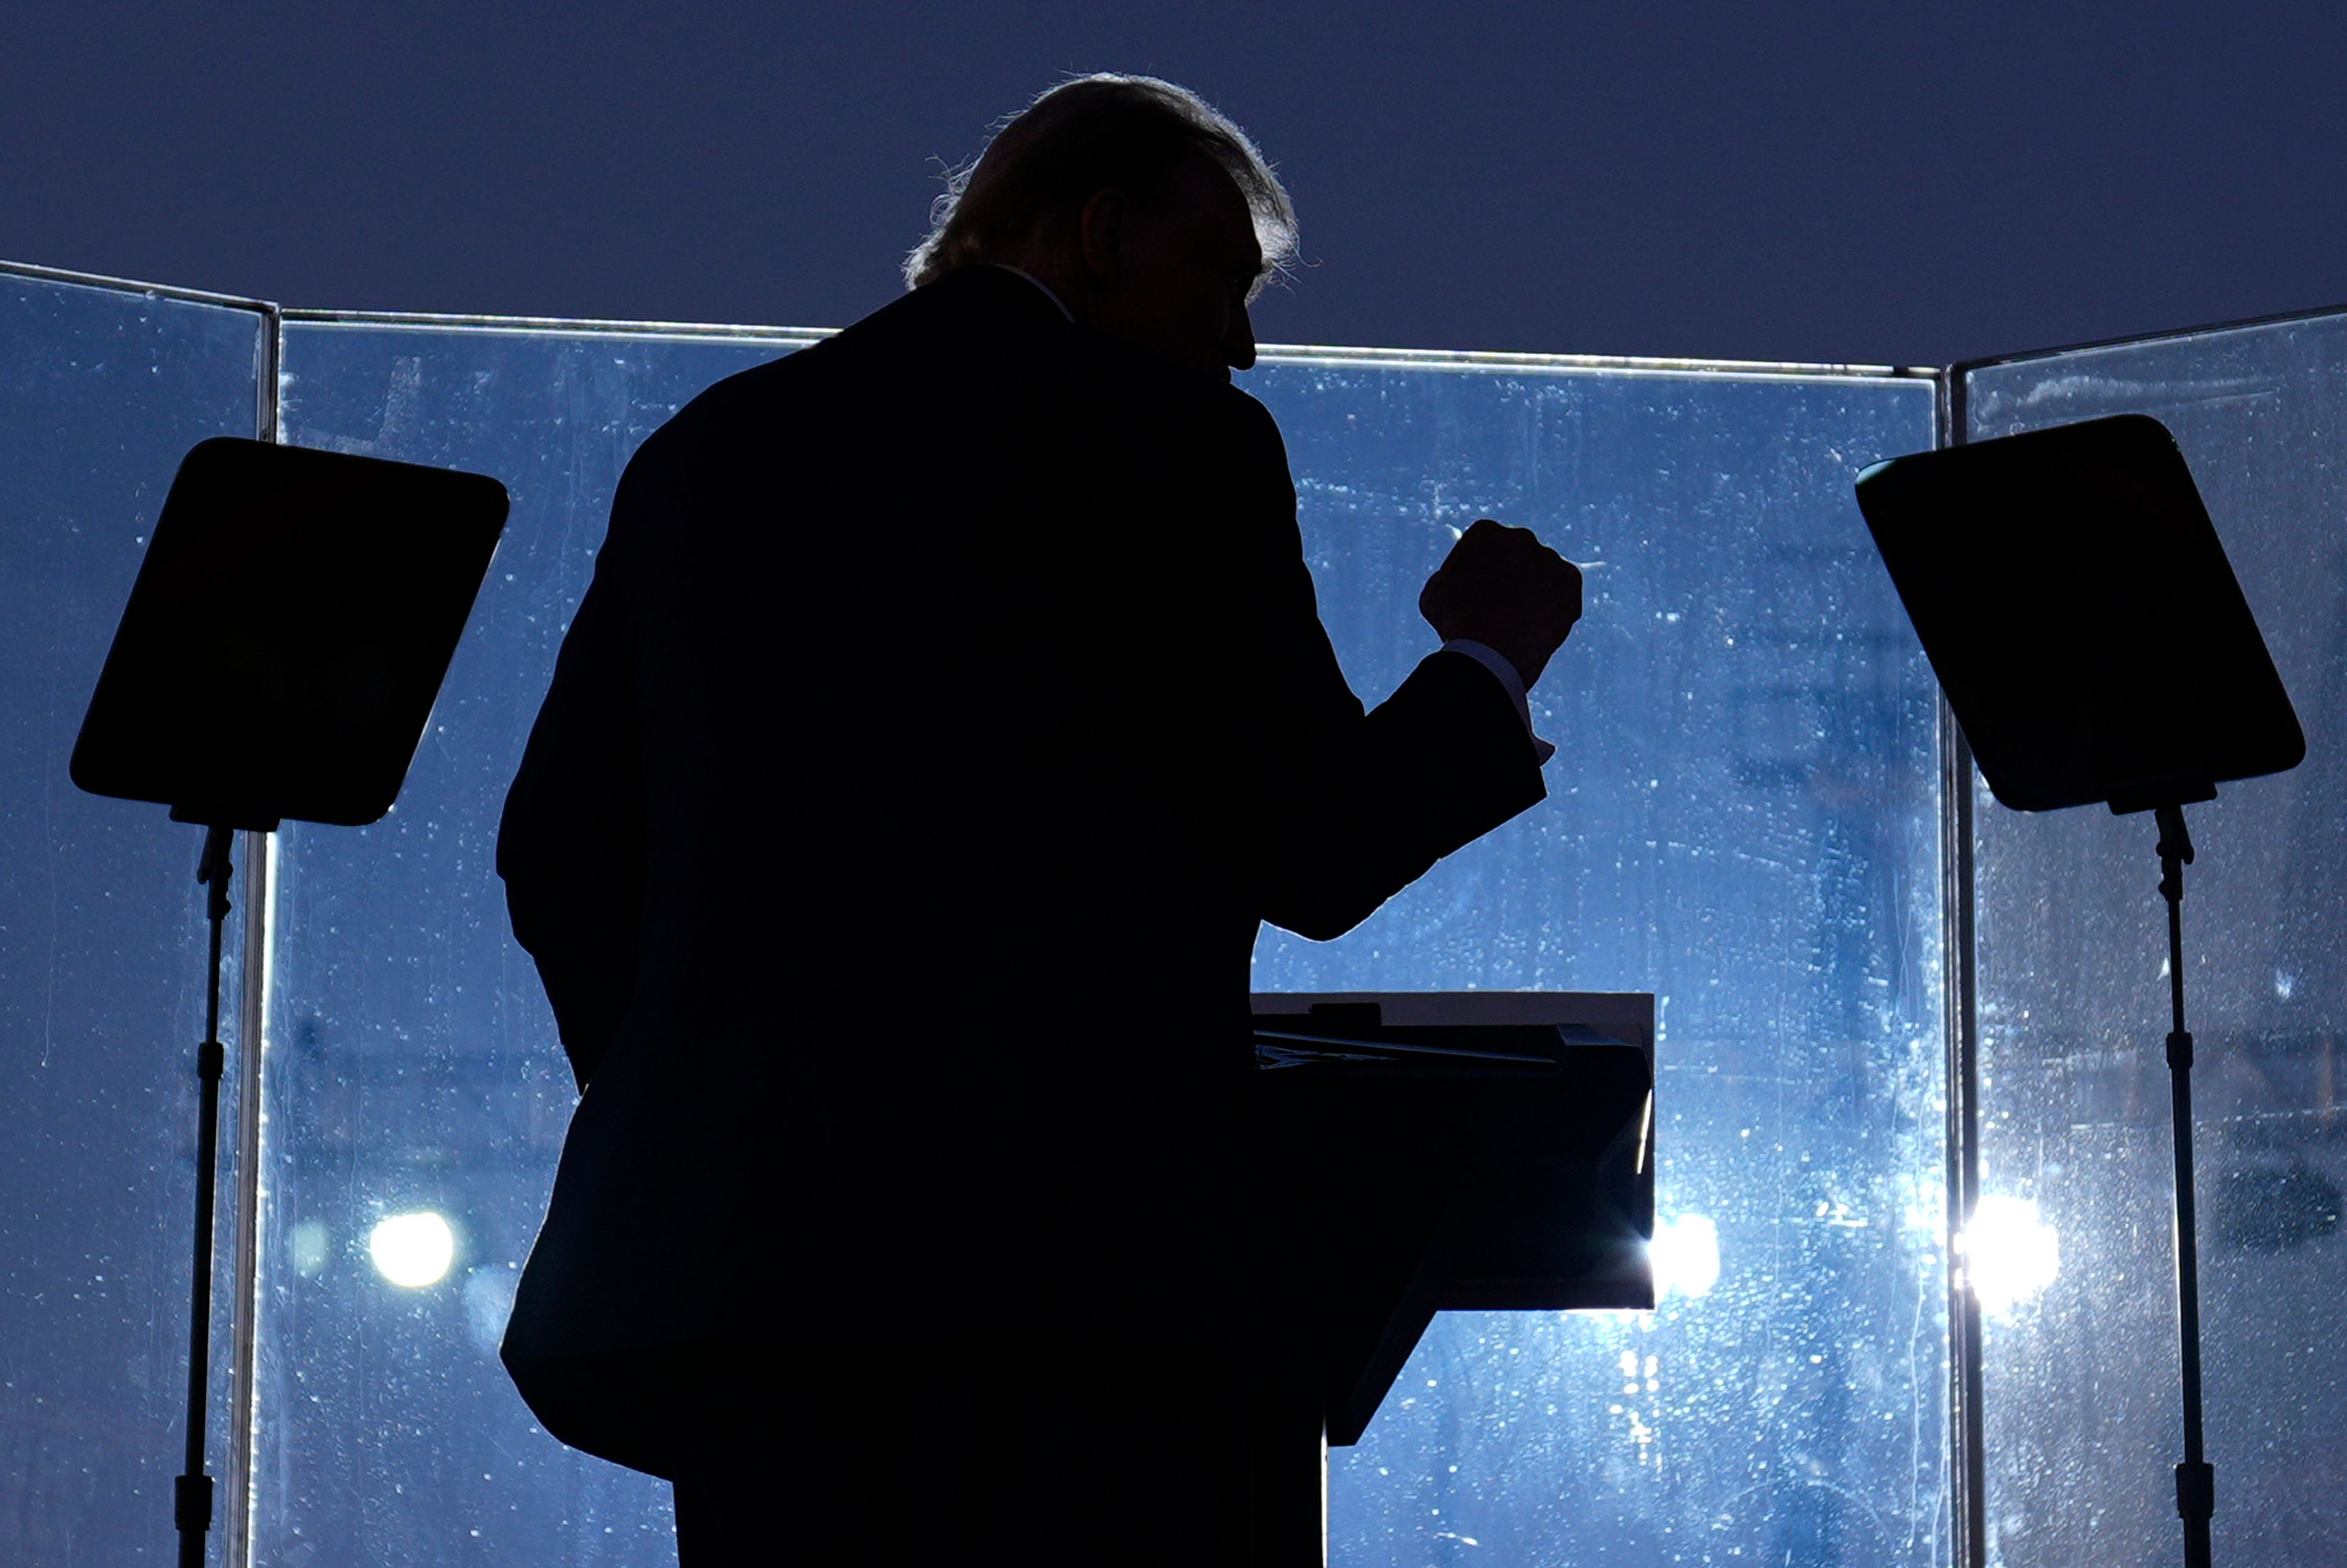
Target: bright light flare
[1685, 1254]
[2009, 1254]
[412, 1251]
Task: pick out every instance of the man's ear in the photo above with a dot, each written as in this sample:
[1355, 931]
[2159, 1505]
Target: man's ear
[1102, 231]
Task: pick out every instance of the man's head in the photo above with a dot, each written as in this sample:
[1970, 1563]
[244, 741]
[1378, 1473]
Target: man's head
[1152, 217]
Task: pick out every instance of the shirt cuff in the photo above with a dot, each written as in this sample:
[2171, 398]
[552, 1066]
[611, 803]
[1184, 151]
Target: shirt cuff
[1511, 682]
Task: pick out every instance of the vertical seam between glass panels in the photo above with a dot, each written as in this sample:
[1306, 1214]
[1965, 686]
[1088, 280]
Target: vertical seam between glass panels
[261, 879]
[1968, 1446]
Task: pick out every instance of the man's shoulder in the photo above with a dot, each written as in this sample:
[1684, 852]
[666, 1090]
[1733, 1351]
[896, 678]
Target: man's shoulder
[971, 316]
[979, 347]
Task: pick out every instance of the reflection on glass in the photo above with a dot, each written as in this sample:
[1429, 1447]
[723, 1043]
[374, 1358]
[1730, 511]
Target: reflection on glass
[1685, 1255]
[2008, 1254]
[412, 1251]
[101, 934]
[2082, 1402]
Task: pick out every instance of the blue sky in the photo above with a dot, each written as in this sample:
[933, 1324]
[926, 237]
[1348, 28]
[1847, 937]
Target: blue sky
[1904, 183]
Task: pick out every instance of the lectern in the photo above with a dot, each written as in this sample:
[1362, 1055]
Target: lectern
[1431, 1152]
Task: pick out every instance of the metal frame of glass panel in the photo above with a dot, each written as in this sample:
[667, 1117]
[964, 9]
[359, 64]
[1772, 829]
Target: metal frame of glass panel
[240, 1251]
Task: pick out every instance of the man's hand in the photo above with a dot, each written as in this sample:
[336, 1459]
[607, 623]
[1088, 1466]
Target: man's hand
[1504, 588]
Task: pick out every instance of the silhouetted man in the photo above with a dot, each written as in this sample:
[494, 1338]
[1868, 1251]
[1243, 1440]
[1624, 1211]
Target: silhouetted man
[949, 708]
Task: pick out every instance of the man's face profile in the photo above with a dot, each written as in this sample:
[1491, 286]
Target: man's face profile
[1171, 274]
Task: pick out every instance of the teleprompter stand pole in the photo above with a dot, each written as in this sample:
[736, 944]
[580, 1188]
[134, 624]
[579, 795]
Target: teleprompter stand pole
[2196, 1479]
[191, 1493]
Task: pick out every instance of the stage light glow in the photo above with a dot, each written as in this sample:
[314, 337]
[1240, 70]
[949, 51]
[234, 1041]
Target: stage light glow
[1686, 1256]
[412, 1251]
[2009, 1255]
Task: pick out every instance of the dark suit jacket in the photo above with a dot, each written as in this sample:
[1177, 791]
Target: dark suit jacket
[948, 707]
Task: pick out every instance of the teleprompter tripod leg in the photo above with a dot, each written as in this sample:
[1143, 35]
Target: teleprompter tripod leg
[2196, 1479]
[191, 1493]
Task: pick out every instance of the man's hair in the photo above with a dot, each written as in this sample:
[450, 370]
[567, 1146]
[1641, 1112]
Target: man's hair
[1087, 135]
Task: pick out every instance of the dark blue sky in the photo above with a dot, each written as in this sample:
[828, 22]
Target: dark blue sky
[1909, 183]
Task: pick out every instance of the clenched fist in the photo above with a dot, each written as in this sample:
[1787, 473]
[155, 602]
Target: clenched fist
[1504, 588]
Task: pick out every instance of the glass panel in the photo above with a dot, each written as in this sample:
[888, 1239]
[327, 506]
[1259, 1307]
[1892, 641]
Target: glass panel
[101, 934]
[414, 1066]
[2082, 1403]
[1742, 818]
